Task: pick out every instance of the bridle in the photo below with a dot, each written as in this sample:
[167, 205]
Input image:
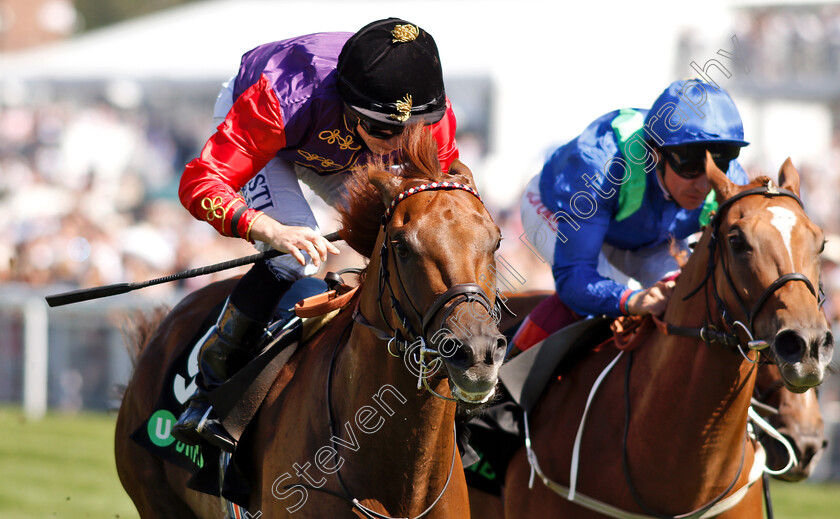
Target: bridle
[729, 336]
[404, 335]
[709, 333]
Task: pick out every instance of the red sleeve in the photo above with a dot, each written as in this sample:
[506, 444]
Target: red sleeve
[444, 133]
[250, 136]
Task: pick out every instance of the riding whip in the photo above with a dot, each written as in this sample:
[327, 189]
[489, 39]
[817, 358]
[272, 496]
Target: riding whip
[87, 294]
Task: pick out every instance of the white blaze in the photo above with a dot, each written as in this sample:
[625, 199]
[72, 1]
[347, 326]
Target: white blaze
[784, 220]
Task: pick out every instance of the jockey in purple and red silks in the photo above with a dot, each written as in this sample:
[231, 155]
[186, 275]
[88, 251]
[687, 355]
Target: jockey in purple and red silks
[606, 205]
[308, 108]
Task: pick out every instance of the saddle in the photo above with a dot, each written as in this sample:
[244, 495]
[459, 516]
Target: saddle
[308, 305]
[488, 441]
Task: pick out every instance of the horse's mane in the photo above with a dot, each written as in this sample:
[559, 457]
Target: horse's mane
[361, 213]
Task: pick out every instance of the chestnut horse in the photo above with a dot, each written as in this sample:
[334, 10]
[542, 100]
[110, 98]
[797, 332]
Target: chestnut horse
[796, 416]
[665, 434]
[346, 430]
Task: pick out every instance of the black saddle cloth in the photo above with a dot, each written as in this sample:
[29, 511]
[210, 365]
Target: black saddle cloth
[235, 402]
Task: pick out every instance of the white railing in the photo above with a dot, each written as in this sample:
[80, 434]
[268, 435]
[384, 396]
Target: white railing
[73, 357]
[68, 357]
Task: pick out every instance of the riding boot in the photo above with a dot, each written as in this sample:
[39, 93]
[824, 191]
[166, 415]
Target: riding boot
[224, 350]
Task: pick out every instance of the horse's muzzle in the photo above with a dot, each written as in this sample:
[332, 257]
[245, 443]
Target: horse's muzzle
[802, 356]
[474, 366]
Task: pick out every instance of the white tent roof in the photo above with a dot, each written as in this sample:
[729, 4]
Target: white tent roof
[524, 38]
[553, 68]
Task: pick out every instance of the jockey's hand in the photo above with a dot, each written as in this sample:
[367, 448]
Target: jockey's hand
[653, 300]
[291, 239]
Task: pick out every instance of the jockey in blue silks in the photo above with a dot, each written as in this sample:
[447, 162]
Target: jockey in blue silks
[607, 205]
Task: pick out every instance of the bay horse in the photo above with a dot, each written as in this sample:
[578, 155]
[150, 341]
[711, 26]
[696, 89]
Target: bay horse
[665, 434]
[347, 430]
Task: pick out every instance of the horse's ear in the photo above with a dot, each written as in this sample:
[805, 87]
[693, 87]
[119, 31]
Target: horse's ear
[460, 169]
[789, 177]
[724, 187]
[387, 183]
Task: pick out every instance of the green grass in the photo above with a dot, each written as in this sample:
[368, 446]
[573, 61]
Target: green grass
[805, 500]
[60, 467]
[63, 467]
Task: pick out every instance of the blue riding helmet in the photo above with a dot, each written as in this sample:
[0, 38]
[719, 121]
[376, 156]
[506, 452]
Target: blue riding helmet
[693, 111]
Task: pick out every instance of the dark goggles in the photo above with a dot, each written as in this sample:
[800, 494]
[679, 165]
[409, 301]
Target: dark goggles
[379, 130]
[690, 163]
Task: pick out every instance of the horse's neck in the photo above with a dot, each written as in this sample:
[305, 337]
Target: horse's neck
[705, 389]
[409, 456]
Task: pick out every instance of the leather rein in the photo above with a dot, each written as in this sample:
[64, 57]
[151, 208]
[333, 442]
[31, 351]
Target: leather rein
[709, 333]
[405, 334]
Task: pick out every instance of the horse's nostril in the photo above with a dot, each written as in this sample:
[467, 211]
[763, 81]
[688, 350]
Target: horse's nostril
[827, 345]
[501, 343]
[808, 455]
[489, 358]
[789, 346]
[461, 356]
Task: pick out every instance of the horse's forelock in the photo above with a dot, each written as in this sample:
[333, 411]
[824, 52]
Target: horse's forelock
[361, 213]
[419, 155]
[759, 181]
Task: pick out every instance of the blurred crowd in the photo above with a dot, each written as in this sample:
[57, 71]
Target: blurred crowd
[88, 197]
[801, 43]
[780, 44]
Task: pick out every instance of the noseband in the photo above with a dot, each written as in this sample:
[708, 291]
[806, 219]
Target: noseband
[708, 332]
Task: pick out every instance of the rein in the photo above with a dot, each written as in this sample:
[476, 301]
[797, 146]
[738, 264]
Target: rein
[404, 334]
[346, 495]
[708, 333]
[625, 466]
[406, 337]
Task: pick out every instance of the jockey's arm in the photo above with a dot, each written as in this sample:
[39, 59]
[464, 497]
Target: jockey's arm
[250, 136]
[444, 133]
[575, 269]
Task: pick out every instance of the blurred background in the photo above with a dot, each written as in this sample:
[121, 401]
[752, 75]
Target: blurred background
[103, 102]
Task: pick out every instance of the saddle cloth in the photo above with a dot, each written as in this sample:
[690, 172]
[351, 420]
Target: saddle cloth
[236, 401]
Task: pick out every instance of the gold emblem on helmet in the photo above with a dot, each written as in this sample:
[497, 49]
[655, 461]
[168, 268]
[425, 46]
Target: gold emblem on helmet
[404, 109]
[404, 33]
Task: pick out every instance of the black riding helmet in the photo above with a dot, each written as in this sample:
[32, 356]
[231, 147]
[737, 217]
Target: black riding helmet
[389, 72]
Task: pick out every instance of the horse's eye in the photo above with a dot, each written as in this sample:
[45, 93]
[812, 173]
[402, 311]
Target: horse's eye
[822, 247]
[498, 244]
[401, 249]
[737, 243]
